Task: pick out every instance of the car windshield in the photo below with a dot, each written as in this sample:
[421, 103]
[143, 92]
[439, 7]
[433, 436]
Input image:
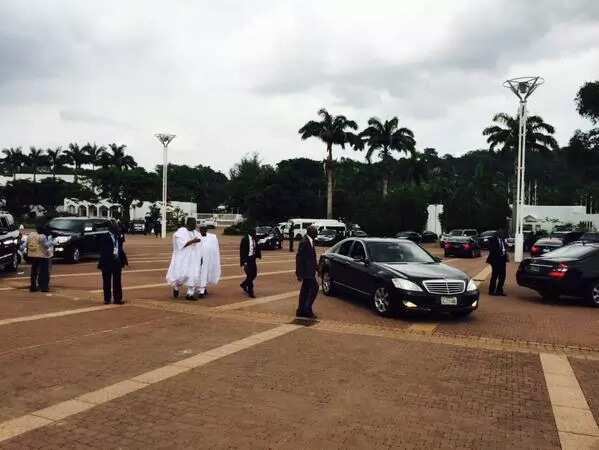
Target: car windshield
[65, 224]
[398, 252]
[573, 251]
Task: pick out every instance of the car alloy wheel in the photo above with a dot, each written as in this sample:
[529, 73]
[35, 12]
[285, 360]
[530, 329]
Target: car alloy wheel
[382, 301]
[327, 284]
[14, 263]
[594, 297]
[76, 255]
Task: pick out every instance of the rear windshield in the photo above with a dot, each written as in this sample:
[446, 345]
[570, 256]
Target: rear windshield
[66, 224]
[455, 233]
[573, 251]
[398, 252]
[470, 232]
[263, 230]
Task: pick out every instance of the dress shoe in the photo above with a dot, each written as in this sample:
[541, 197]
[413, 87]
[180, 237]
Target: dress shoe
[251, 295]
[501, 294]
[244, 287]
[175, 293]
[189, 297]
[107, 302]
[311, 315]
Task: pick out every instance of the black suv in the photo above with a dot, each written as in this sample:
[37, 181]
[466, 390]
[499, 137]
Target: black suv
[9, 243]
[77, 236]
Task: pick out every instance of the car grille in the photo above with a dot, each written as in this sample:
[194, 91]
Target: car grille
[445, 287]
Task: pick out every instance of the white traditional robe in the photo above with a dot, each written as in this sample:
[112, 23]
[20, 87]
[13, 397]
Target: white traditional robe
[199, 259]
[179, 271]
[212, 260]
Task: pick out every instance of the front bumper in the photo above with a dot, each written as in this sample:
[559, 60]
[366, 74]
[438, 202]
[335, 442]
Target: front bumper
[424, 301]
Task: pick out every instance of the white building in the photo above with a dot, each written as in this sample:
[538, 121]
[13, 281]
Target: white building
[546, 217]
[188, 208]
[70, 178]
[433, 223]
[83, 208]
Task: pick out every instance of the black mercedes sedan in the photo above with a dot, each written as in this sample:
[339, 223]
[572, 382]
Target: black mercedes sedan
[396, 275]
[410, 235]
[545, 245]
[571, 270]
[462, 246]
[328, 238]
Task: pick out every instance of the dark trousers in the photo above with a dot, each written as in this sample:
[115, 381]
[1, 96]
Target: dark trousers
[291, 242]
[497, 278]
[251, 272]
[308, 293]
[40, 274]
[111, 283]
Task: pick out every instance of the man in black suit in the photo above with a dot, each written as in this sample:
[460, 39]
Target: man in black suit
[291, 236]
[248, 253]
[112, 261]
[306, 267]
[497, 258]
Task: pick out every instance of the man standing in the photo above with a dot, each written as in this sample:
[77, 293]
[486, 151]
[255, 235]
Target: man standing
[181, 266]
[306, 267]
[39, 252]
[112, 261]
[248, 253]
[291, 237]
[497, 258]
[211, 270]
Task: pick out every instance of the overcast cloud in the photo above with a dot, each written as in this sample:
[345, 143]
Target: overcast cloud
[232, 77]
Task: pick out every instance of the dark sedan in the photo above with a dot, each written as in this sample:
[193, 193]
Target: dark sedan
[545, 245]
[410, 236]
[328, 238]
[269, 238]
[571, 270]
[485, 237]
[396, 275]
[429, 236]
[462, 246]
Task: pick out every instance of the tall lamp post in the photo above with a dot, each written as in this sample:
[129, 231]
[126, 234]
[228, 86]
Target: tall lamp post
[164, 139]
[522, 87]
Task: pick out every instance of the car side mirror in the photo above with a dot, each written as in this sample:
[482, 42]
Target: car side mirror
[437, 259]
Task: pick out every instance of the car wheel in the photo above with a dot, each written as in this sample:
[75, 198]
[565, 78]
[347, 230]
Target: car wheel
[14, 263]
[381, 301]
[327, 284]
[75, 255]
[594, 294]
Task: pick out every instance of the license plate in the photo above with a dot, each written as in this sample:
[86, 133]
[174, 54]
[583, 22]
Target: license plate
[450, 301]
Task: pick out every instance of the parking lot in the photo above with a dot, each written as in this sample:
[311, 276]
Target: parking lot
[232, 372]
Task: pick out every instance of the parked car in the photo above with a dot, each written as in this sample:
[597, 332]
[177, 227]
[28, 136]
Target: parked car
[355, 231]
[9, 243]
[590, 237]
[77, 236]
[429, 236]
[269, 237]
[410, 236]
[485, 237]
[470, 232]
[571, 270]
[545, 245]
[396, 275]
[462, 246]
[567, 236]
[209, 223]
[328, 238]
[137, 227]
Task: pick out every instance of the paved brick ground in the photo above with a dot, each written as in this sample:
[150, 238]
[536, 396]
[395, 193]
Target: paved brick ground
[345, 392]
[20, 302]
[587, 375]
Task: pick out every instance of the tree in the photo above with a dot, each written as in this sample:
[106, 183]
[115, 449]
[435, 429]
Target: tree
[77, 157]
[36, 159]
[13, 160]
[56, 160]
[332, 130]
[117, 158]
[385, 138]
[587, 101]
[95, 154]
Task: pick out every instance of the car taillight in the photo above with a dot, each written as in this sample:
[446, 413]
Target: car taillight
[535, 250]
[559, 272]
[466, 246]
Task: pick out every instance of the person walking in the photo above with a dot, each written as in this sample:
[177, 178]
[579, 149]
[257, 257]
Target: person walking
[112, 260]
[497, 258]
[39, 252]
[248, 253]
[291, 237]
[182, 269]
[157, 228]
[306, 268]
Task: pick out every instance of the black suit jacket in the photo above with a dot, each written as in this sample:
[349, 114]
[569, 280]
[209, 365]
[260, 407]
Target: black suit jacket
[244, 250]
[495, 256]
[305, 260]
[107, 259]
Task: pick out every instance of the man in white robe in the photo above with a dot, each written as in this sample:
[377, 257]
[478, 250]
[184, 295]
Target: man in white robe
[209, 255]
[180, 271]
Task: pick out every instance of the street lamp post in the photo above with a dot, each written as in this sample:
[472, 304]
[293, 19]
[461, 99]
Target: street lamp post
[164, 139]
[522, 87]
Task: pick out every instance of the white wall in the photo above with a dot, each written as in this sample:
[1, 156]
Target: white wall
[190, 209]
[433, 223]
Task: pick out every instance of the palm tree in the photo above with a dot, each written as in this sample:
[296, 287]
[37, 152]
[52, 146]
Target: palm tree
[56, 160]
[332, 130]
[118, 159]
[13, 160]
[504, 137]
[385, 138]
[77, 157]
[95, 154]
[35, 160]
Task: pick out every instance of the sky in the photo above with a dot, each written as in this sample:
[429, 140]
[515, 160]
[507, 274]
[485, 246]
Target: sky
[231, 78]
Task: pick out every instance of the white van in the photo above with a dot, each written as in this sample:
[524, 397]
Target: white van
[300, 226]
[330, 224]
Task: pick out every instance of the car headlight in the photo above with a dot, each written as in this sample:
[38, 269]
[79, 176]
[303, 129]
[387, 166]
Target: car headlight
[471, 286]
[62, 239]
[406, 285]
